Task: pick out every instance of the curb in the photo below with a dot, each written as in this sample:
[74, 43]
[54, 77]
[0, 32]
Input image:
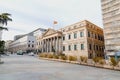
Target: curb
[84, 64]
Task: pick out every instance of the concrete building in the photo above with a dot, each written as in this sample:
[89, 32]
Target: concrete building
[38, 33]
[18, 37]
[26, 43]
[7, 45]
[111, 21]
[80, 39]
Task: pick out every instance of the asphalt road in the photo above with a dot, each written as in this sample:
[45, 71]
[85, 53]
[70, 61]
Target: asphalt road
[31, 68]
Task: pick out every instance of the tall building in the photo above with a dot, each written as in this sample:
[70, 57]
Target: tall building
[80, 39]
[111, 21]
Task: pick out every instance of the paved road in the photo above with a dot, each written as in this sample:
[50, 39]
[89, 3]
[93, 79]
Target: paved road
[31, 68]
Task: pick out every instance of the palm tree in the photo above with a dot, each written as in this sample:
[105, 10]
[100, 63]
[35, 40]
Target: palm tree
[4, 18]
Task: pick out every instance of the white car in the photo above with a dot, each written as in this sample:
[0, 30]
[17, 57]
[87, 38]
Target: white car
[31, 54]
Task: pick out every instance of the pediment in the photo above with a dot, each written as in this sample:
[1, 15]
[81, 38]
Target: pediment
[49, 32]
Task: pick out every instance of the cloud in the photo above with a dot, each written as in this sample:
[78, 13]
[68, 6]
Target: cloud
[32, 14]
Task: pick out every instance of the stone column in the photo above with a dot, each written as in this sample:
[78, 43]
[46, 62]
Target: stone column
[54, 44]
[43, 45]
[57, 45]
[61, 44]
[50, 45]
[46, 45]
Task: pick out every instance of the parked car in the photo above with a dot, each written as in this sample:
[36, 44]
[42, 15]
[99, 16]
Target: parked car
[31, 54]
[19, 53]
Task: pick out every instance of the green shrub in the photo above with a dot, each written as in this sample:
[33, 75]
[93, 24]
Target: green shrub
[102, 62]
[72, 58]
[61, 54]
[43, 55]
[113, 61]
[49, 55]
[97, 59]
[55, 56]
[83, 59]
[63, 57]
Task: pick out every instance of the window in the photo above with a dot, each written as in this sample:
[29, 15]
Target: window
[95, 36]
[81, 34]
[69, 36]
[98, 37]
[32, 45]
[64, 37]
[28, 45]
[97, 47]
[69, 47]
[94, 47]
[75, 35]
[82, 46]
[63, 48]
[90, 46]
[88, 34]
[75, 47]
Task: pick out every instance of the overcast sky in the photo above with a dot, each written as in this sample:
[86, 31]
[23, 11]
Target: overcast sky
[29, 15]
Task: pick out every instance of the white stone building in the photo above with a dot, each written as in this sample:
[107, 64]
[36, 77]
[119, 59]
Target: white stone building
[26, 43]
[80, 39]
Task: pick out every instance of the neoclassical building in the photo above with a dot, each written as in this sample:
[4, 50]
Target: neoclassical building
[83, 39]
[80, 39]
[51, 41]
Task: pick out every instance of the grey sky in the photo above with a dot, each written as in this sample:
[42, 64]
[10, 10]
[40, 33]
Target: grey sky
[29, 15]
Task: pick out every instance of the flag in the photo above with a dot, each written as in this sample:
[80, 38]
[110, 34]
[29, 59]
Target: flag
[55, 22]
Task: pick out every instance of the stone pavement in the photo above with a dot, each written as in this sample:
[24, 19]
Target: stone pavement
[23, 67]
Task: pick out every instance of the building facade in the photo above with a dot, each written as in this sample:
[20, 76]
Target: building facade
[83, 39]
[51, 41]
[37, 33]
[111, 21]
[80, 39]
[7, 45]
[26, 43]
[18, 37]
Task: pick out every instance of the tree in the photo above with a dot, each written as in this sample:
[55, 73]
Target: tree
[113, 61]
[2, 44]
[4, 18]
